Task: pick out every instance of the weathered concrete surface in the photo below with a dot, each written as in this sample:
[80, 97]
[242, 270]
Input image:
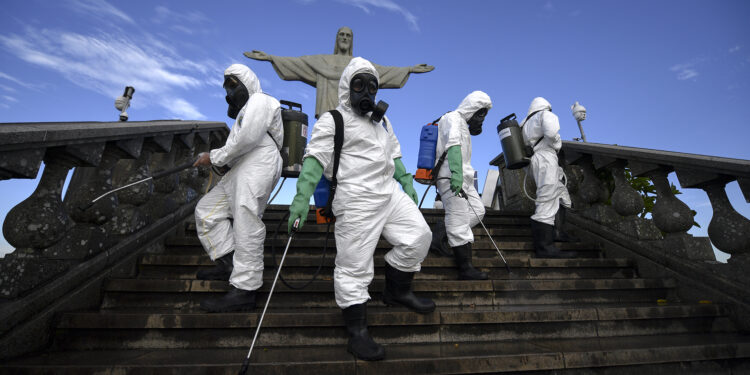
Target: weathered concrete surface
[697, 279]
[23, 320]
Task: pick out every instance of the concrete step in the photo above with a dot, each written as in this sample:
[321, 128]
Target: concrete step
[317, 327]
[302, 245]
[188, 293]
[621, 354]
[271, 219]
[319, 231]
[302, 267]
[427, 212]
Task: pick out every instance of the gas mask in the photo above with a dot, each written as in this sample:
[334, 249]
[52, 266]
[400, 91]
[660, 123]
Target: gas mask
[237, 95]
[362, 90]
[476, 120]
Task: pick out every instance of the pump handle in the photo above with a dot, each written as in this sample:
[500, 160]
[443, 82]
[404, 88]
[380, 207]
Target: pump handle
[291, 104]
[508, 117]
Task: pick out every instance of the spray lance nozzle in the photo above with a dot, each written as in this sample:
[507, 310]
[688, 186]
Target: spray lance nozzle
[154, 176]
[123, 102]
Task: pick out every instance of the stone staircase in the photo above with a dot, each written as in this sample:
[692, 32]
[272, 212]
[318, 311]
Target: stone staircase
[588, 315]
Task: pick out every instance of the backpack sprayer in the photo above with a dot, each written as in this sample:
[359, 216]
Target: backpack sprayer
[295, 141]
[427, 169]
[517, 153]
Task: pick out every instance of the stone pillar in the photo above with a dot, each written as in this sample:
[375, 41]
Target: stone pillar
[163, 201]
[128, 217]
[729, 231]
[595, 193]
[187, 178]
[674, 218]
[40, 220]
[628, 203]
[88, 237]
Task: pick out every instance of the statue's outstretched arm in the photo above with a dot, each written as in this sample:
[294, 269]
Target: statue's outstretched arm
[258, 55]
[303, 68]
[421, 68]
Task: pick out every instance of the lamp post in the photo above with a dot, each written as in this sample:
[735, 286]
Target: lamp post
[123, 102]
[579, 112]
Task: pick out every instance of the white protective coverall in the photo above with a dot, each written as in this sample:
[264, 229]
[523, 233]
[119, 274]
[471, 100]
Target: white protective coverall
[453, 130]
[368, 200]
[252, 150]
[548, 175]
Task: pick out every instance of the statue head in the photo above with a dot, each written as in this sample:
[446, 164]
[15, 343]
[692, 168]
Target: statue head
[344, 42]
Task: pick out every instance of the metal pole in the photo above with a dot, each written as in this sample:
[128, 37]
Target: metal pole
[245, 363]
[583, 136]
[463, 193]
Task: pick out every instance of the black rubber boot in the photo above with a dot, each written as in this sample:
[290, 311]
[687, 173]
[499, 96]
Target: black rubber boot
[560, 234]
[221, 271]
[361, 345]
[234, 300]
[544, 246]
[439, 244]
[466, 270]
[398, 291]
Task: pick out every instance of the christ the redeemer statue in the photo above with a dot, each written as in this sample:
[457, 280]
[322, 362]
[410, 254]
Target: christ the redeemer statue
[324, 71]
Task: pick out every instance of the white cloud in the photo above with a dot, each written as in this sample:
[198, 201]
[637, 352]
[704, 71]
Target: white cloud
[16, 81]
[100, 8]
[107, 63]
[549, 7]
[387, 5]
[163, 13]
[685, 71]
[7, 88]
[183, 110]
[734, 49]
[10, 98]
[189, 23]
[182, 29]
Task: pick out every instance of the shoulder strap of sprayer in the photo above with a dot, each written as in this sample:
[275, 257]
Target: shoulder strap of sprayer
[273, 139]
[541, 119]
[338, 143]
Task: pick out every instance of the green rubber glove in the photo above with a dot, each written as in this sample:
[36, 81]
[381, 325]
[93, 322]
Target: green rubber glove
[405, 180]
[306, 182]
[455, 163]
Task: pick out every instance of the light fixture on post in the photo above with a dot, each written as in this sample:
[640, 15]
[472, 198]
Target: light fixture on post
[579, 112]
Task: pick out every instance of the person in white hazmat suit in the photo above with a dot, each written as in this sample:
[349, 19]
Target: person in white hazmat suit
[368, 202]
[541, 131]
[455, 129]
[228, 218]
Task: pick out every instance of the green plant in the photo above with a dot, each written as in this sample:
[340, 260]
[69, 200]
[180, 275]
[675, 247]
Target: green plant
[642, 185]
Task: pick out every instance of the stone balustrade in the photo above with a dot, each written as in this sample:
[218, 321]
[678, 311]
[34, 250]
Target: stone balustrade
[611, 213]
[51, 235]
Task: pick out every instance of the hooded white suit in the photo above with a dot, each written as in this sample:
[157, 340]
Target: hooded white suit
[368, 201]
[548, 175]
[454, 131]
[252, 150]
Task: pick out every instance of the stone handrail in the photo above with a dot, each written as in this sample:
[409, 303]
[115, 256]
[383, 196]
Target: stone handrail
[51, 235]
[612, 215]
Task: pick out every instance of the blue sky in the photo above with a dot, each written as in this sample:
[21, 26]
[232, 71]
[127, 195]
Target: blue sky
[669, 75]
